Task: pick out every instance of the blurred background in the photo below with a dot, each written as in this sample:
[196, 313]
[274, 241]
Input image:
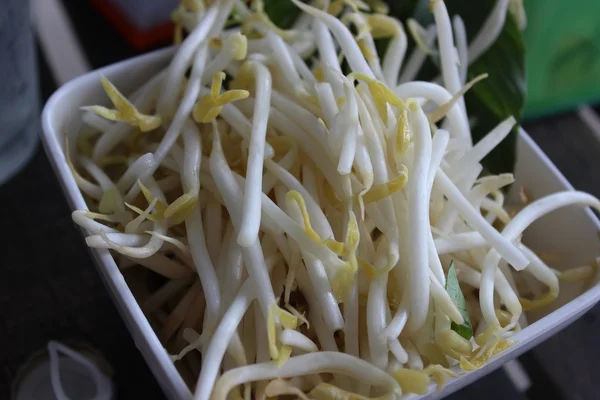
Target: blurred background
[49, 288]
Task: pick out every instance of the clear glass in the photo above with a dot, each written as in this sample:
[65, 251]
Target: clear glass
[19, 89]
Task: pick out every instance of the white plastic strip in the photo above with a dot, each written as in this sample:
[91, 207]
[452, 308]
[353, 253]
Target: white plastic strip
[58, 41]
[591, 120]
[516, 373]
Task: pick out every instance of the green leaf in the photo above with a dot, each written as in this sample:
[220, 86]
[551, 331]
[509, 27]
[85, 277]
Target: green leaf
[282, 13]
[453, 288]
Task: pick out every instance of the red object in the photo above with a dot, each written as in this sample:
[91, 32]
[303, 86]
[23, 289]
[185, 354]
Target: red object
[140, 40]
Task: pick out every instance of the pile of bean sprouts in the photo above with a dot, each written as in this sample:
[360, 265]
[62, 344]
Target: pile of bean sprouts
[287, 204]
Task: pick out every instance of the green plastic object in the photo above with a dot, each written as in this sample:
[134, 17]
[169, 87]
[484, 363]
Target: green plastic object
[563, 55]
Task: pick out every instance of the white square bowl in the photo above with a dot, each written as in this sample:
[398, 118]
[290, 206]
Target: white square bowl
[571, 231]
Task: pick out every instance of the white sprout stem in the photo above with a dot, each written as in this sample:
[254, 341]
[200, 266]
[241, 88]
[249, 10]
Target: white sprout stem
[439, 144]
[223, 262]
[377, 155]
[284, 59]
[177, 315]
[220, 340]
[214, 228]
[362, 161]
[377, 121]
[488, 185]
[460, 34]
[232, 195]
[448, 219]
[123, 239]
[351, 321]
[286, 162]
[240, 124]
[448, 55]
[490, 277]
[366, 39]
[176, 153]
[318, 277]
[155, 243]
[520, 222]
[489, 31]
[540, 270]
[344, 37]
[315, 152]
[476, 220]
[87, 187]
[348, 150]
[376, 317]
[364, 387]
[204, 267]
[330, 311]
[419, 220]
[495, 210]
[543, 206]
[459, 127]
[399, 321]
[317, 217]
[324, 92]
[414, 358]
[192, 158]
[225, 8]
[97, 122]
[189, 49]
[135, 170]
[398, 351]
[305, 119]
[232, 47]
[307, 364]
[296, 339]
[394, 56]
[295, 231]
[459, 242]
[328, 56]
[80, 217]
[325, 335]
[164, 266]
[98, 174]
[304, 44]
[482, 148]
[302, 68]
[195, 229]
[418, 56]
[434, 260]
[468, 275]
[248, 232]
[443, 300]
[309, 180]
[344, 133]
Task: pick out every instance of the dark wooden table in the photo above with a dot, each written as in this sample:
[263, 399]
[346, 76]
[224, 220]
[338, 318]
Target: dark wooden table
[49, 288]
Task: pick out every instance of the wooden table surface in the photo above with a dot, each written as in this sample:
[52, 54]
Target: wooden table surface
[49, 288]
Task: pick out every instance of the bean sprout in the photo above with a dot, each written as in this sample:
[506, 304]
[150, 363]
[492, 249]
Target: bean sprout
[298, 224]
